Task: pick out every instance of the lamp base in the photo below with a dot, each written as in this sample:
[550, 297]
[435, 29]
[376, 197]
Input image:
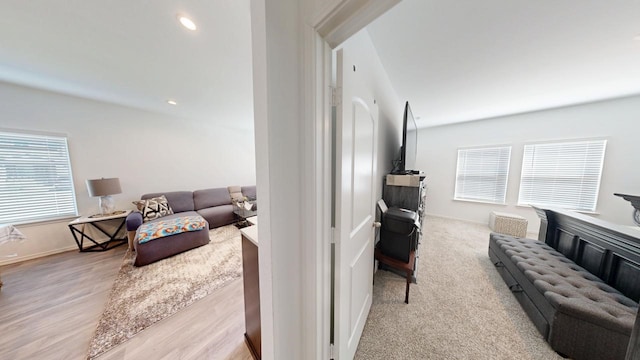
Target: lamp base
[107, 205]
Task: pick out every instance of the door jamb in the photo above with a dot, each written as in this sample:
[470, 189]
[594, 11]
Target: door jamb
[328, 28]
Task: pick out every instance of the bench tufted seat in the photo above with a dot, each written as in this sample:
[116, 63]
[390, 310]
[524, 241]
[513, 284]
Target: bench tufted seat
[578, 313]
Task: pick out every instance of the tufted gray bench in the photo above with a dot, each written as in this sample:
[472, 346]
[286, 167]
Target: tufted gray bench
[577, 313]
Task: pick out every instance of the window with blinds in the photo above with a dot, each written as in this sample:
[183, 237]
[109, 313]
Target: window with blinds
[35, 178]
[482, 173]
[565, 175]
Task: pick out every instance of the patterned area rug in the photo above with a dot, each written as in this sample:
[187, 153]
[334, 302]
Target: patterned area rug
[142, 296]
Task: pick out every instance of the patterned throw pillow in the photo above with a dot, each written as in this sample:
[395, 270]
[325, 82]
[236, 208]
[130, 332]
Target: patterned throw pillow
[153, 208]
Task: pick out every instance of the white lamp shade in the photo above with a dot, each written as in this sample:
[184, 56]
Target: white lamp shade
[104, 187]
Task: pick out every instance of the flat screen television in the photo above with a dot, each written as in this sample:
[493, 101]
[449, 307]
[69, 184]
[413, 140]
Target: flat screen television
[409, 147]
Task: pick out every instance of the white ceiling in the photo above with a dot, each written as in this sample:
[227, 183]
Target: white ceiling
[134, 53]
[453, 60]
[466, 60]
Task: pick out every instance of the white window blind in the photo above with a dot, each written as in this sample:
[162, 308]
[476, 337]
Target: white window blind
[35, 178]
[482, 174]
[565, 175]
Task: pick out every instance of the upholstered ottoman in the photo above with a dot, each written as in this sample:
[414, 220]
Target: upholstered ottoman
[578, 314]
[508, 224]
[168, 236]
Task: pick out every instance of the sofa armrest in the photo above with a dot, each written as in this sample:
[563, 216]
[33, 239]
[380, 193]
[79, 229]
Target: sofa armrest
[134, 220]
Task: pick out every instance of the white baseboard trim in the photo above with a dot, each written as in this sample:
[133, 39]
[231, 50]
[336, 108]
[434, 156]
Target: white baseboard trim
[457, 218]
[530, 234]
[18, 259]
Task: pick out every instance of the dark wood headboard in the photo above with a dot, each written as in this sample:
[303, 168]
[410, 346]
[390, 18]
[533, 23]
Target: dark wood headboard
[607, 250]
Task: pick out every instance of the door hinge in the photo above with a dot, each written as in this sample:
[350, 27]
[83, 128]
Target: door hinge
[336, 96]
[333, 235]
[331, 350]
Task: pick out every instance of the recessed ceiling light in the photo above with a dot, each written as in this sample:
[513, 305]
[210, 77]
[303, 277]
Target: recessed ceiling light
[186, 22]
[172, 102]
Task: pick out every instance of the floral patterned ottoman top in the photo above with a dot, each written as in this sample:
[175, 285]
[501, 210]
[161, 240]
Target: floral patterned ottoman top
[159, 229]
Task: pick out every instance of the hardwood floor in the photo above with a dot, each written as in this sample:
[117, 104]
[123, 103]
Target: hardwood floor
[49, 309]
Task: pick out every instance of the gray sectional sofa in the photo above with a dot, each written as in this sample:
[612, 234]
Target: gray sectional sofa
[579, 282]
[214, 205]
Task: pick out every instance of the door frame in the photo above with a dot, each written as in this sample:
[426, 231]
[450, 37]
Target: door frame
[323, 24]
[328, 28]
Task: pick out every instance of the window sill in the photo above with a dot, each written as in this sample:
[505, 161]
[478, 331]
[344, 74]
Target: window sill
[44, 221]
[479, 202]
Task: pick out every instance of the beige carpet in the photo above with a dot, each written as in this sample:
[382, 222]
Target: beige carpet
[459, 309]
[142, 296]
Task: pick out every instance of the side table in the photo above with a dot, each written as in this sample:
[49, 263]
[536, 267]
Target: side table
[77, 228]
[399, 265]
[244, 211]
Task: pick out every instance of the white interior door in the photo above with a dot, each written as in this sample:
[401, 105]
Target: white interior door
[355, 171]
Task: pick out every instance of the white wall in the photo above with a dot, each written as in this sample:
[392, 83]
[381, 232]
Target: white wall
[149, 152]
[616, 120]
[390, 108]
[279, 121]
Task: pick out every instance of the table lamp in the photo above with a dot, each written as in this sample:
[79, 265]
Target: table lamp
[104, 188]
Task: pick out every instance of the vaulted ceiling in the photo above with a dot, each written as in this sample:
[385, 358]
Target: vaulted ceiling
[466, 60]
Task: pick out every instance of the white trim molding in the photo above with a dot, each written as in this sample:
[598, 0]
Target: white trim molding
[338, 22]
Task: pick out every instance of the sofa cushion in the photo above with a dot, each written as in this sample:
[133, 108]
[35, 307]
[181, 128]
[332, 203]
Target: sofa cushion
[134, 220]
[218, 215]
[179, 201]
[207, 198]
[153, 208]
[176, 215]
[249, 192]
[236, 193]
